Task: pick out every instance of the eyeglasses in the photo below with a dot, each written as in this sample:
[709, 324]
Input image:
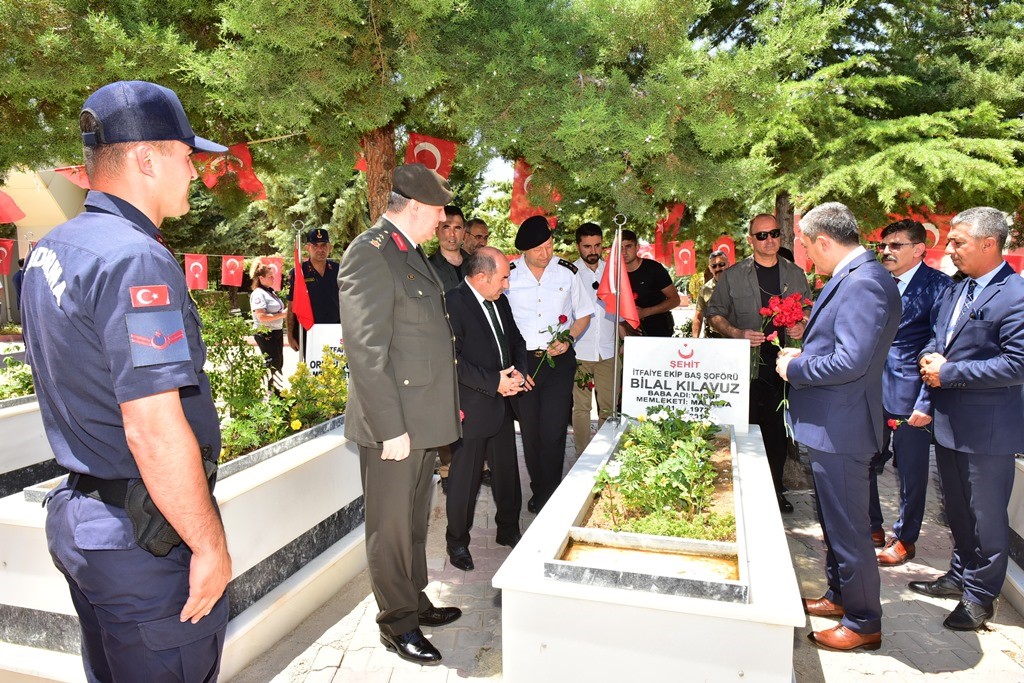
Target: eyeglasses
[894, 246]
[718, 266]
[765, 234]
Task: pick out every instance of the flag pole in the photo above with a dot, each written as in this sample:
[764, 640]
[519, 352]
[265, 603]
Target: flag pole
[298, 225]
[619, 220]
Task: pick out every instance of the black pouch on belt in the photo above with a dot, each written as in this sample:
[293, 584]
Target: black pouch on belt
[153, 533]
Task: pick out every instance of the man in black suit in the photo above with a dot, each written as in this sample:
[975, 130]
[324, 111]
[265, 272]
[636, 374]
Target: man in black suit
[491, 365]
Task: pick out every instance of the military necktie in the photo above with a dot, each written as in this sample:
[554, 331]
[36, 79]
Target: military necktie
[502, 342]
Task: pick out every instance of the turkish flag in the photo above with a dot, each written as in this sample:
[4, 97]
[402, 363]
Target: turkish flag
[933, 257]
[196, 273]
[236, 160]
[1016, 261]
[75, 174]
[726, 245]
[614, 282]
[684, 257]
[645, 250]
[9, 211]
[360, 164]
[276, 264]
[434, 153]
[6, 256]
[665, 232]
[521, 208]
[231, 270]
[301, 307]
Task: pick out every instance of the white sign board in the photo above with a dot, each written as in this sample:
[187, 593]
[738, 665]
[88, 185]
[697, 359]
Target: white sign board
[679, 373]
[317, 337]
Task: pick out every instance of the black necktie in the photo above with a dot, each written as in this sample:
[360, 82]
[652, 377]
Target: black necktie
[502, 343]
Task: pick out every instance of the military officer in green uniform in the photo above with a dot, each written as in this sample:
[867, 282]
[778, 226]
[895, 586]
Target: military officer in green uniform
[403, 399]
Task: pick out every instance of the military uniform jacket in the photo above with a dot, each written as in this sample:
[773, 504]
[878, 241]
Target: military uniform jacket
[399, 343]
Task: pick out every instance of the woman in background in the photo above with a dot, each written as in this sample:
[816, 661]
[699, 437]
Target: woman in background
[268, 313]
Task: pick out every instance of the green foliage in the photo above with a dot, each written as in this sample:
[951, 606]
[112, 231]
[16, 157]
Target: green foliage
[15, 379]
[685, 329]
[662, 473]
[235, 366]
[262, 423]
[315, 398]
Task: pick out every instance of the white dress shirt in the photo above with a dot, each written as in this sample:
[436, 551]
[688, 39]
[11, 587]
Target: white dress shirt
[597, 342]
[536, 304]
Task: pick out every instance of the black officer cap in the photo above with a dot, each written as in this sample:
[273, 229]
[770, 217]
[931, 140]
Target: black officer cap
[317, 236]
[534, 232]
[418, 182]
[136, 111]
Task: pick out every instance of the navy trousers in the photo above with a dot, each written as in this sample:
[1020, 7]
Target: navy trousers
[976, 489]
[911, 448]
[841, 491]
[128, 600]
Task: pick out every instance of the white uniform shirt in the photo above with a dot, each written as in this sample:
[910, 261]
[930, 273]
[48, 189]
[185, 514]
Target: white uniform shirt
[536, 305]
[597, 341]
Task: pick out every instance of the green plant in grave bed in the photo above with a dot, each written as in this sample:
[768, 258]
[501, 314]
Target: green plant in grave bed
[661, 479]
[316, 398]
[235, 367]
[15, 379]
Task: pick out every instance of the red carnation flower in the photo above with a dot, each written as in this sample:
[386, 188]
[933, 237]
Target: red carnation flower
[766, 311]
[462, 416]
[893, 424]
[773, 337]
[563, 319]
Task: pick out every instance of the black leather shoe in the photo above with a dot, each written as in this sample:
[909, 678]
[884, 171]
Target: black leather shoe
[485, 478]
[460, 558]
[510, 539]
[532, 505]
[412, 646]
[439, 616]
[969, 616]
[942, 587]
[444, 485]
[784, 505]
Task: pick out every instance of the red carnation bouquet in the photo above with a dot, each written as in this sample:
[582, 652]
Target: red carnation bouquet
[784, 313]
[557, 335]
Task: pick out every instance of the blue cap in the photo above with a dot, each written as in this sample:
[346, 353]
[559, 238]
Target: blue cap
[136, 111]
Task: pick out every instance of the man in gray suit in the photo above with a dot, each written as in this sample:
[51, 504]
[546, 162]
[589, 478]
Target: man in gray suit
[836, 412]
[403, 399]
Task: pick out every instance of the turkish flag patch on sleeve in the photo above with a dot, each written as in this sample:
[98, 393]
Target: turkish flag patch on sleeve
[157, 337]
[149, 295]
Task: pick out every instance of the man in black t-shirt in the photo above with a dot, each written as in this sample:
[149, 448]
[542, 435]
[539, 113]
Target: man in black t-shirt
[653, 290]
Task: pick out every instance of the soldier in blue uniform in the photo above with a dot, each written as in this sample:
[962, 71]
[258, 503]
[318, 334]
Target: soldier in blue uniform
[321, 276]
[113, 340]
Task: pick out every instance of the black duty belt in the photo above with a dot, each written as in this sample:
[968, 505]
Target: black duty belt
[110, 491]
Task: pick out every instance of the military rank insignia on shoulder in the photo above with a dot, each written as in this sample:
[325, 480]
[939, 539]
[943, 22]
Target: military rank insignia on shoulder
[377, 237]
[568, 264]
[511, 266]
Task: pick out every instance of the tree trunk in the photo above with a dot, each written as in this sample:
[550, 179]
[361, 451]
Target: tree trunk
[379, 149]
[784, 218]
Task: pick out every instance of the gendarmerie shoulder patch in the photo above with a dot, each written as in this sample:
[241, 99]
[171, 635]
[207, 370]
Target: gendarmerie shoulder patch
[568, 264]
[377, 237]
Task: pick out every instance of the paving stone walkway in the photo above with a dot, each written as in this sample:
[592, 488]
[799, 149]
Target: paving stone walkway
[339, 643]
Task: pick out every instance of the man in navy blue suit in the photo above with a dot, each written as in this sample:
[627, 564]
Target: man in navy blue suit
[491, 361]
[836, 412]
[974, 369]
[901, 252]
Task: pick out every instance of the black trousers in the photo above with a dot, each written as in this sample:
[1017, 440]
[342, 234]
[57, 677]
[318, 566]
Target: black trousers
[271, 343]
[765, 397]
[468, 457]
[544, 413]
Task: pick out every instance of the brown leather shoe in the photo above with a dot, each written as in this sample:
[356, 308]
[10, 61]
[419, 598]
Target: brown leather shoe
[896, 553]
[823, 607]
[878, 538]
[843, 639]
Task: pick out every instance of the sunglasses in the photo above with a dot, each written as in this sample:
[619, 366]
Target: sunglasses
[718, 266]
[765, 234]
[893, 246]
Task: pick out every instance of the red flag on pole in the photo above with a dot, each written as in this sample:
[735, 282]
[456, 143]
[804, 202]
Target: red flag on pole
[725, 244]
[75, 174]
[665, 232]
[276, 265]
[231, 270]
[301, 307]
[9, 211]
[521, 208]
[684, 255]
[6, 256]
[434, 153]
[196, 272]
[360, 164]
[615, 282]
